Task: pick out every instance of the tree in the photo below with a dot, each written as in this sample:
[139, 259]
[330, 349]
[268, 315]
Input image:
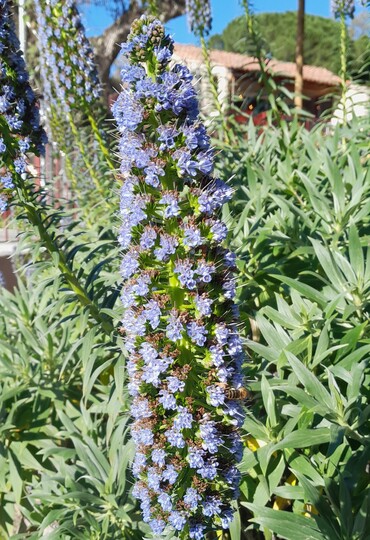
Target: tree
[321, 43]
[298, 87]
[107, 45]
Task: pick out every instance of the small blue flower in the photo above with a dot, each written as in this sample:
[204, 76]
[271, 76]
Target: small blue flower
[196, 531]
[158, 456]
[191, 498]
[192, 237]
[152, 313]
[203, 305]
[216, 395]
[209, 470]
[168, 245]
[167, 135]
[216, 355]
[157, 526]
[195, 457]
[129, 264]
[165, 501]
[175, 438]
[221, 334]
[7, 181]
[142, 436]
[183, 419]
[211, 439]
[177, 520]
[154, 479]
[205, 271]
[197, 333]
[172, 206]
[185, 274]
[174, 384]
[140, 408]
[148, 238]
[152, 175]
[174, 328]
[167, 400]
[212, 506]
[170, 474]
[219, 231]
[139, 463]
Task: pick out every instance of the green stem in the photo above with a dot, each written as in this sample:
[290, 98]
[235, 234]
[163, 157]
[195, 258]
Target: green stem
[153, 8]
[84, 156]
[61, 142]
[101, 142]
[343, 62]
[214, 89]
[38, 219]
[266, 78]
[55, 127]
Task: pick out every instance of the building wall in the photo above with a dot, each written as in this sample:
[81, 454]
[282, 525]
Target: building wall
[357, 103]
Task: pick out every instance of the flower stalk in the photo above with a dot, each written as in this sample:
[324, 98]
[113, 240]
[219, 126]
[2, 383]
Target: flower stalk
[180, 321]
[70, 78]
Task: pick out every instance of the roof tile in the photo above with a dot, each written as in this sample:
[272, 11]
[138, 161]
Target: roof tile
[241, 62]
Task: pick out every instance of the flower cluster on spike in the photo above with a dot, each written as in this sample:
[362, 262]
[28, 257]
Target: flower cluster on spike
[347, 7]
[20, 130]
[199, 16]
[68, 70]
[180, 320]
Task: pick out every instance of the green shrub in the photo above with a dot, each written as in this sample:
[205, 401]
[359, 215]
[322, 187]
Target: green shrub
[300, 223]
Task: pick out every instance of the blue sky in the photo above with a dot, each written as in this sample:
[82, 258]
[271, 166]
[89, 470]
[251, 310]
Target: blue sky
[98, 18]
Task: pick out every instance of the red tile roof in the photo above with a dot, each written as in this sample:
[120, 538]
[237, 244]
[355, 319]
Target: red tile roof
[241, 62]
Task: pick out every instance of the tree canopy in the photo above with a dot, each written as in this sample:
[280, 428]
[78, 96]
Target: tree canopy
[278, 30]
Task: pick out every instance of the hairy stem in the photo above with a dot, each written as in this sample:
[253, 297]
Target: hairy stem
[103, 147]
[84, 156]
[37, 217]
[343, 61]
[214, 90]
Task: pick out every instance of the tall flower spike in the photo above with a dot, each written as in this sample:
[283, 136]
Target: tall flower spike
[199, 16]
[180, 320]
[20, 130]
[70, 77]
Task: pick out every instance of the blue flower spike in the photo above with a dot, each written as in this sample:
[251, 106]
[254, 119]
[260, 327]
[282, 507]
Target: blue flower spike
[180, 320]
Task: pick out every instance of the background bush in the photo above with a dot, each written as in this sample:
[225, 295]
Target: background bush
[300, 225]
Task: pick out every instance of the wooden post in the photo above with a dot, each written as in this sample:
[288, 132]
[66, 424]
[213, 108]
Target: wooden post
[298, 86]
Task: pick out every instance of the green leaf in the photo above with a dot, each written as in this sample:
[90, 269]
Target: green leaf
[303, 438]
[302, 288]
[235, 527]
[15, 478]
[286, 524]
[310, 382]
[269, 402]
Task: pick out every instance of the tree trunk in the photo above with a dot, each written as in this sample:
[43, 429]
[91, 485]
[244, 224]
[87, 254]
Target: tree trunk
[107, 45]
[298, 87]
